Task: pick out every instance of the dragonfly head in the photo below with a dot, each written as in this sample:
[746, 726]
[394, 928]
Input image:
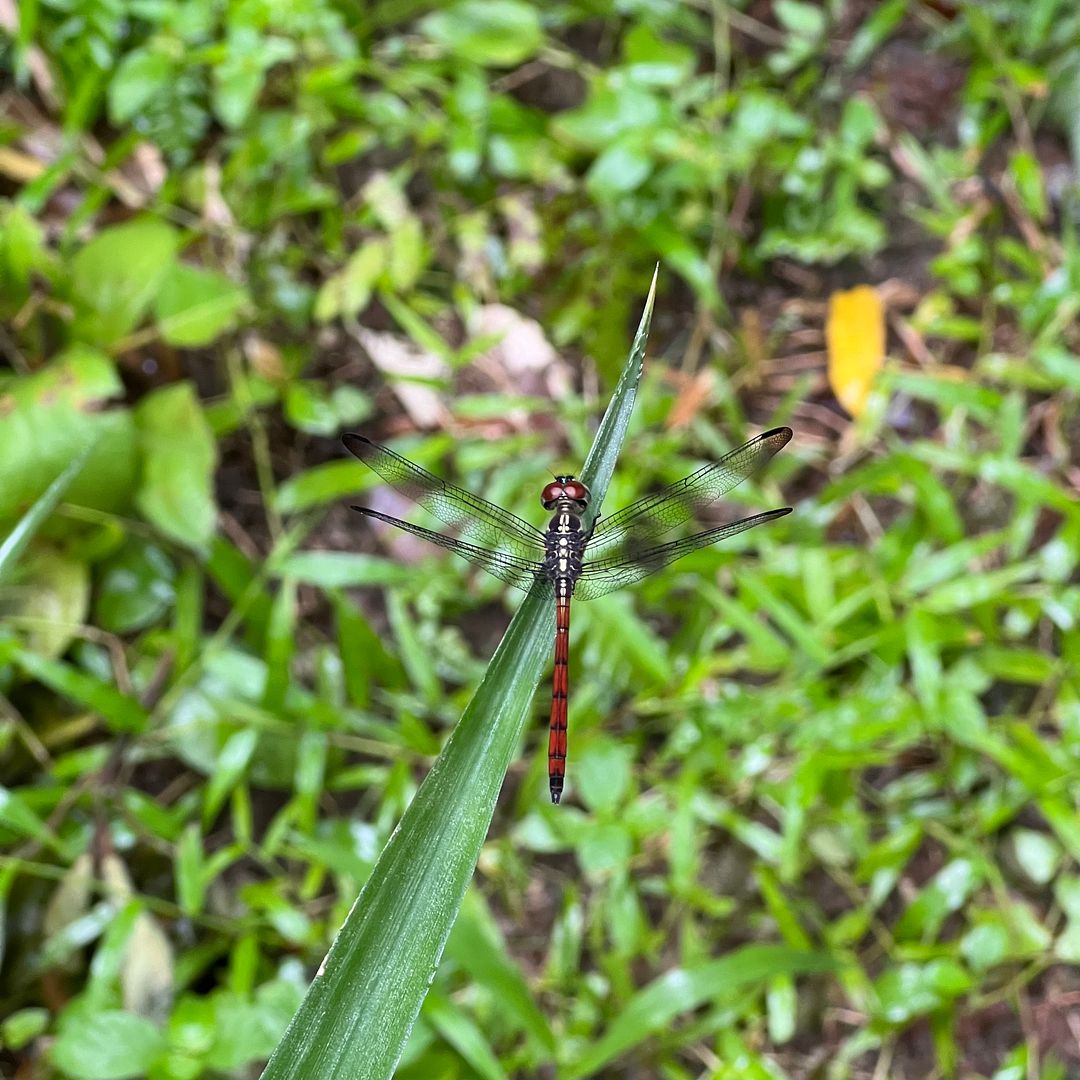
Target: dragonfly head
[565, 489]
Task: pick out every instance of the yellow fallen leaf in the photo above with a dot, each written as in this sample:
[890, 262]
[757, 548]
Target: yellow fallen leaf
[855, 336]
[18, 166]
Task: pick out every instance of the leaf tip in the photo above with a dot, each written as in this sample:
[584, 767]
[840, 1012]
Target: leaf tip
[652, 288]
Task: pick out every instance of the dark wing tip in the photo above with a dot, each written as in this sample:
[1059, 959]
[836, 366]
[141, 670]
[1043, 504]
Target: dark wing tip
[352, 440]
[779, 434]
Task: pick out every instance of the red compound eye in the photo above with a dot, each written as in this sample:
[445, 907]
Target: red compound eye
[564, 487]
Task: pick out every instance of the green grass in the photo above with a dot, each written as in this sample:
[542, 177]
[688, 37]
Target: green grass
[821, 811]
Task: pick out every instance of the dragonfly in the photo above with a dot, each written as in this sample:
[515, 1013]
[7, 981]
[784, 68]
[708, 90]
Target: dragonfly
[569, 559]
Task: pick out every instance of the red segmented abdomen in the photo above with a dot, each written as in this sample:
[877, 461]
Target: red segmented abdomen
[560, 684]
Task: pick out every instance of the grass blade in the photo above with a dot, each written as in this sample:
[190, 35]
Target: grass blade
[655, 1007]
[16, 542]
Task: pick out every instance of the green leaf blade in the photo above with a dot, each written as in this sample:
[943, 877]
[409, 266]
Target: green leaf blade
[359, 1011]
[177, 489]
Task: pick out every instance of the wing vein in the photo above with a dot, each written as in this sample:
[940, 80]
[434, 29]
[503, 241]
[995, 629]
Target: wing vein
[473, 516]
[684, 500]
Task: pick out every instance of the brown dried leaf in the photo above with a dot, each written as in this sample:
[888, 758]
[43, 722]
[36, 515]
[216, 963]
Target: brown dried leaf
[522, 359]
[693, 395]
[403, 361]
[72, 896]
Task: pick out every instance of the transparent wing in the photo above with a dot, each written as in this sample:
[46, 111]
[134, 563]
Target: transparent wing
[604, 575]
[473, 518]
[521, 573]
[650, 517]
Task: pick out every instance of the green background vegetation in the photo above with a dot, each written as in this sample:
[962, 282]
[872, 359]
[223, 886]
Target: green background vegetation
[821, 816]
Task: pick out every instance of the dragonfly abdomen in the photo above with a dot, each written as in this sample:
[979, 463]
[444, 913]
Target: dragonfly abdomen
[565, 548]
[560, 689]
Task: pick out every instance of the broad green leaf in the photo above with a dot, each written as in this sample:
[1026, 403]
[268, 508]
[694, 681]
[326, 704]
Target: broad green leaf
[106, 1045]
[805, 20]
[310, 408]
[1037, 854]
[340, 569]
[179, 454]
[23, 251]
[603, 771]
[603, 848]
[409, 252]
[359, 1011]
[618, 636]
[115, 278]
[195, 306]
[608, 113]
[986, 944]
[651, 60]
[55, 416]
[49, 599]
[494, 33]
[239, 77]
[135, 587]
[22, 1027]
[347, 292]
[141, 75]
[242, 1032]
[415, 656]
[780, 907]
[911, 990]
[320, 485]
[786, 617]
[621, 167]
[1062, 819]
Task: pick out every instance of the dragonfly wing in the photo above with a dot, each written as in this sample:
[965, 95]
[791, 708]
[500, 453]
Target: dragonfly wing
[523, 574]
[475, 519]
[656, 514]
[623, 567]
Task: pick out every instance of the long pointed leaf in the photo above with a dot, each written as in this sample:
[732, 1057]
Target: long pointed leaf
[358, 1012]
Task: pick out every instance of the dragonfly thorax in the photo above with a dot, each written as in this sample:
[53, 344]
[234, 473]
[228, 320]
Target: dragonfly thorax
[567, 491]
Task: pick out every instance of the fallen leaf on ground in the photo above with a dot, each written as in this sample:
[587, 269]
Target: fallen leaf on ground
[855, 336]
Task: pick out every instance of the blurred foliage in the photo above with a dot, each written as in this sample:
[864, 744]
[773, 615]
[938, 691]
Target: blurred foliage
[822, 794]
